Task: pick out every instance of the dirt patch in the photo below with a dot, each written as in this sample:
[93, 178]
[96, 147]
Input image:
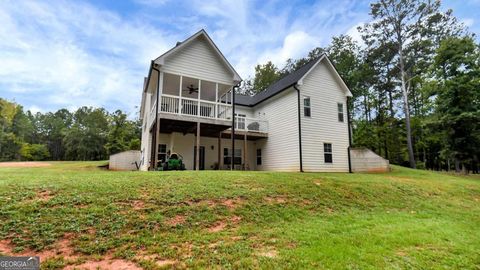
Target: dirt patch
[154, 258]
[176, 220]
[26, 164]
[44, 195]
[209, 203]
[232, 203]
[138, 205]
[105, 264]
[229, 203]
[61, 248]
[235, 219]
[276, 199]
[269, 253]
[218, 226]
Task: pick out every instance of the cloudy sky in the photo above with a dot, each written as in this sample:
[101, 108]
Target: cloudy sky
[65, 54]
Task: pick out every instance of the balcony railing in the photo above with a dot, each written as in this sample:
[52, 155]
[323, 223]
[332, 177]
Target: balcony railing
[195, 107]
[251, 124]
[206, 109]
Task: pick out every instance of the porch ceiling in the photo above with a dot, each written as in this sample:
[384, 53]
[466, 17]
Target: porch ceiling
[206, 129]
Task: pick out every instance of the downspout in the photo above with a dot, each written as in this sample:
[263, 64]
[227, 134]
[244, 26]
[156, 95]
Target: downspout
[299, 128]
[157, 127]
[349, 138]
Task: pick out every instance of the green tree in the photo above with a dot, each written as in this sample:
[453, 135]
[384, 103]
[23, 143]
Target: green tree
[407, 27]
[32, 152]
[265, 75]
[86, 138]
[120, 133]
[458, 70]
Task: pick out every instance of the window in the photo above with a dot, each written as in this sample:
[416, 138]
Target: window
[227, 156]
[306, 107]
[240, 121]
[340, 112]
[327, 152]
[162, 153]
[259, 156]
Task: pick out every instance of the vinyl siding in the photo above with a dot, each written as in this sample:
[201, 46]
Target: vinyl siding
[198, 60]
[280, 149]
[184, 145]
[244, 110]
[323, 125]
[146, 137]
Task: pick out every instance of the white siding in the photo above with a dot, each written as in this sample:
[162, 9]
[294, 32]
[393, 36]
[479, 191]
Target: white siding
[323, 125]
[184, 145]
[146, 140]
[280, 150]
[244, 110]
[199, 60]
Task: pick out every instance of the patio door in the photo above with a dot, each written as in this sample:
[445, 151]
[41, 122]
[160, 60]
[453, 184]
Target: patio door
[201, 157]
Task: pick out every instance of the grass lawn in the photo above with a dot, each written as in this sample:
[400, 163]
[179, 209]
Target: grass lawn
[75, 215]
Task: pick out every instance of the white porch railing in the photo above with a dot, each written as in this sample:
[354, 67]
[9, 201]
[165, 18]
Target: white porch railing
[251, 124]
[195, 107]
[206, 109]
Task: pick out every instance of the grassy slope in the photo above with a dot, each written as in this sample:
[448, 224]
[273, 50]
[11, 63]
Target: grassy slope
[404, 219]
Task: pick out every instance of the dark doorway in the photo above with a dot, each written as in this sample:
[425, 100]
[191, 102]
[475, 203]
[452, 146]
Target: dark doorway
[202, 158]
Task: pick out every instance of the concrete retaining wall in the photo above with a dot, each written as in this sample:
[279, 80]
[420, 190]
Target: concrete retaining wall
[124, 161]
[365, 160]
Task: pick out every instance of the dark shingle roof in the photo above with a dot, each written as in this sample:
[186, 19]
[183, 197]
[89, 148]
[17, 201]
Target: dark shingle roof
[276, 87]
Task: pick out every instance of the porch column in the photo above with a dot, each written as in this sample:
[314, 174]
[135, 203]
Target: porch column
[197, 156]
[232, 161]
[219, 150]
[198, 97]
[180, 103]
[216, 101]
[245, 165]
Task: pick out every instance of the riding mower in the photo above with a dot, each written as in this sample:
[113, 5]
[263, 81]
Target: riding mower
[174, 163]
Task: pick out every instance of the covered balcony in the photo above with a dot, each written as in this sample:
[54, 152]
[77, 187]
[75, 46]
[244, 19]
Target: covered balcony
[184, 98]
[190, 97]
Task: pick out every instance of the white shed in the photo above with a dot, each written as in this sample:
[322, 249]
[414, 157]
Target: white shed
[125, 161]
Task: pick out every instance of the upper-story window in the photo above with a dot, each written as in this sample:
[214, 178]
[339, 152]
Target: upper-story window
[240, 121]
[306, 107]
[340, 112]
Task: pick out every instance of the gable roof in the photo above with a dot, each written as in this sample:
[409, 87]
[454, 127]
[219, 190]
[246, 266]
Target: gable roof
[288, 81]
[161, 59]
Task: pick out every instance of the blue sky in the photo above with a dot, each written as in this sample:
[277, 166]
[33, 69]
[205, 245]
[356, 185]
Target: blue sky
[65, 54]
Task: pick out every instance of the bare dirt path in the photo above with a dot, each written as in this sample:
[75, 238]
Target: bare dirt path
[24, 164]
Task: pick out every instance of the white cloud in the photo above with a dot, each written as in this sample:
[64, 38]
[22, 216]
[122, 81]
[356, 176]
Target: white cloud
[353, 32]
[69, 55]
[295, 45]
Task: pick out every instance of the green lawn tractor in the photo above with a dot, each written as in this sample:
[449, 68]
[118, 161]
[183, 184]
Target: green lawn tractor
[174, 163]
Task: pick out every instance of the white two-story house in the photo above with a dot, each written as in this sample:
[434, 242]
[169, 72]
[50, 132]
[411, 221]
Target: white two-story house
[189, 106]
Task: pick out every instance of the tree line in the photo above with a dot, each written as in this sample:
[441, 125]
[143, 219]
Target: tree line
[86, 134]
[415, 84]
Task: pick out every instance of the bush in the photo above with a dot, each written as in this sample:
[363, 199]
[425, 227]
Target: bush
[32, 152]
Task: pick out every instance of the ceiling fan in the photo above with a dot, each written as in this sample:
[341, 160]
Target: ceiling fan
[191, 89]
